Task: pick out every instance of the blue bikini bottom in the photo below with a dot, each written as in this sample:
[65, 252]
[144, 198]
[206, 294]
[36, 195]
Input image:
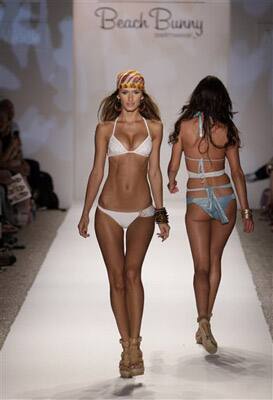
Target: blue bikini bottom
[214, 206]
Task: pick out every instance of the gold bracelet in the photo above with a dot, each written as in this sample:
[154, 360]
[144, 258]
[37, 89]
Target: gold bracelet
[246, 213]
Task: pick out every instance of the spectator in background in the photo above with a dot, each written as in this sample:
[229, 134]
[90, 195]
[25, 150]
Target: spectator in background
[261, 173]
[31, 168]
[11, 158]
[6, 257]
[5, 171]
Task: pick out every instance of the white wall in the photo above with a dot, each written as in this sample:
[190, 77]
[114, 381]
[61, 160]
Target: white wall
[250, 84]
[36, 74]
[172, 61]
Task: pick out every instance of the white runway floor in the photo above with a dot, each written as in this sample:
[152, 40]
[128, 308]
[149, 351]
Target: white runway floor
[64, 342]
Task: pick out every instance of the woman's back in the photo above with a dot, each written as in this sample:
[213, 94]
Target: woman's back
[195, 146]
[205, 161]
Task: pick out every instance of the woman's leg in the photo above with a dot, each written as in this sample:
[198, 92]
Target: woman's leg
[110, 238]
[218, 237]
[198, 225]
[138, 238]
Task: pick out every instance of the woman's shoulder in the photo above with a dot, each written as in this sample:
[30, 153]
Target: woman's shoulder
[155, 128]
[188, 126]
[155, 125]
[190, 122]
[155, 122]
[104, 130]
[219, 140]
[219, 133]
[105, 124]
[105, 127]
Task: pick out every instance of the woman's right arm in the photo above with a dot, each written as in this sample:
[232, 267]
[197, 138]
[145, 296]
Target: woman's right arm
[174, 163]
[95, 177]
[238, 178]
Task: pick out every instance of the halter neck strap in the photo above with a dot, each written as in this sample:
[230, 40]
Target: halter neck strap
[200, 123]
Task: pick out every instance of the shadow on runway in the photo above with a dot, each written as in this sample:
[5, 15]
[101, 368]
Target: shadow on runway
[110, 389]
[188, 377]
[228, 364]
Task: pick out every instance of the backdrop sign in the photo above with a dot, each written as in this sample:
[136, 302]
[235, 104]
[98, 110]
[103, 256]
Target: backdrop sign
[158, 20]
[174, 45]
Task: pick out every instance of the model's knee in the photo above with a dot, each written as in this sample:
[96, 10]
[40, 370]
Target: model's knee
[133, 277]
[202, 264]
[201, 272]
[215, 270]
[215, 275]
[117, 283]
[216, 260]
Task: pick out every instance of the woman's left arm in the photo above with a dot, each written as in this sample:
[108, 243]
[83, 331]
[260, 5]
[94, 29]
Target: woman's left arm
[155, 175]
[238, 178]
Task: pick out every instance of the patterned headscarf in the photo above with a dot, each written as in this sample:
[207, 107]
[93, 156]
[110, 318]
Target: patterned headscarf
[130, 79]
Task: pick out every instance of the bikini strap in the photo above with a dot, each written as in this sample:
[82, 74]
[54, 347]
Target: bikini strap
[205, 159]
[200, 124]
[190, 158]
[226, 186]
[114, 127]
[147, 127]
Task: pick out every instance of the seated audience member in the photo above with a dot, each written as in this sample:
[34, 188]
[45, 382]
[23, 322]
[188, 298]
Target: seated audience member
[11, 158]
[6, 257]
[266, 203]
[261, 173]
[5, 172]
[32, 166]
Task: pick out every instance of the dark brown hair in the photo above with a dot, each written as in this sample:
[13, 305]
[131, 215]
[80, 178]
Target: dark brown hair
[212, 99]
[110, 108]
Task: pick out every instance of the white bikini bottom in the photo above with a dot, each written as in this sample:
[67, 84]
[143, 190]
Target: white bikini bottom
[124, 219]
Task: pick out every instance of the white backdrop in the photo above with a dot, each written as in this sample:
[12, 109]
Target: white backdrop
[174, 44]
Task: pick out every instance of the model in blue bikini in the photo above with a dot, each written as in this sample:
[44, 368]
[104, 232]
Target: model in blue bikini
[207, 135]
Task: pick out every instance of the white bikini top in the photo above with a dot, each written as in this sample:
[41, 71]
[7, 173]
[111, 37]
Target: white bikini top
[116, 148]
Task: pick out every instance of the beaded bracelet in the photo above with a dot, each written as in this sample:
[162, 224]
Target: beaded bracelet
[161, 216]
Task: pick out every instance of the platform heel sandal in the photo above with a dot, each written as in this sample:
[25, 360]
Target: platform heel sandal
[212, 337]
[136, 360]
[198, 336]
[207, 339]
[124, 364]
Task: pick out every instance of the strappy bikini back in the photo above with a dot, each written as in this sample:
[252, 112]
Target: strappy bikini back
[201, 174]
[212, 205]
[116, 148]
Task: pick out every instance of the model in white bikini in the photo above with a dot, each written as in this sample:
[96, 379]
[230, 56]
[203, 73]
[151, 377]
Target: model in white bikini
[130, 135]
[116, 148]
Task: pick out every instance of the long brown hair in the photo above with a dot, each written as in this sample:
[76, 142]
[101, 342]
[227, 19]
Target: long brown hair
[212, 99]
[110, 108]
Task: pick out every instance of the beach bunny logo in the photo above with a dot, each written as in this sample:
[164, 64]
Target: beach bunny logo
[160, 20]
